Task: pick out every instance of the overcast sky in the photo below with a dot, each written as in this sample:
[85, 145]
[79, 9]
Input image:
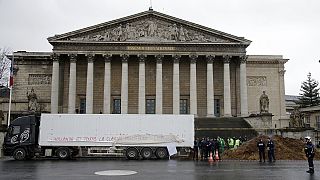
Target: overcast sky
[276, 27]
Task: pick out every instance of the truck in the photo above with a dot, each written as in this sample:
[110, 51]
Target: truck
[67, 136]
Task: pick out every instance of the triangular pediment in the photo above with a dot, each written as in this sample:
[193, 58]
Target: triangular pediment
[149, 26]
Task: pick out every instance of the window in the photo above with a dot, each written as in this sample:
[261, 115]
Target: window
[318, 122]
[183, 106]
[150, 106]
[307, 121]
[82, 106]
[217, 107]
[116, 106]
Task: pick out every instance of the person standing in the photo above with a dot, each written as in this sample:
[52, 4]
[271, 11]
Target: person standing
[271, 148]
[222, 144]
[261, 146]
[202, 148]
[236, 143]
[231, 143]
[196, 149]
[310, 152]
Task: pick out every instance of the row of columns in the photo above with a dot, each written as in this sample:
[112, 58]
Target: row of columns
[159, 88]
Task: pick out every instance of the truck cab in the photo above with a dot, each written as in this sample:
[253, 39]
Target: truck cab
[22, 137]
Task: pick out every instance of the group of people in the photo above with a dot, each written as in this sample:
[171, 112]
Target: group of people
[215, 146]
[270, 146]
[205, 147]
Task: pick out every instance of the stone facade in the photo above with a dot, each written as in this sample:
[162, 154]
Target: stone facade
[150, 34]
[310, 117]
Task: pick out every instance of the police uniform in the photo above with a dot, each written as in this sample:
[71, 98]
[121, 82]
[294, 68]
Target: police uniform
[310, 151]
[271, 147]
[261, 146]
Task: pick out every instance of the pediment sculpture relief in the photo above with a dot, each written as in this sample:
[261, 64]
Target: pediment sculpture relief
[149, 30]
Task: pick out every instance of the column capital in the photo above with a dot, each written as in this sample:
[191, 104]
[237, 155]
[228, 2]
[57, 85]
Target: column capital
[282, 72]
[243, 59]
[210, 58]
[55, 57]
[73, 58]
[90, 58]
[176, 58]
[159, 58]
[193, 58]
[124, 57]
[226, 59]
[142, 58]
[107, 57]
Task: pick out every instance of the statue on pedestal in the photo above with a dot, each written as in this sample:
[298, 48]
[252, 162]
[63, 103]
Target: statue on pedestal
[264, 103]
[32, 101]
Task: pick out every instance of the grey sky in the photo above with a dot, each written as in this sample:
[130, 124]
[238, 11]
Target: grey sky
[276, 27]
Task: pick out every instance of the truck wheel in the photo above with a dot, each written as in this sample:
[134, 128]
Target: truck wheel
[146, 153]
[19, 154]
[162, 153]
[132, 153]
[63, 153]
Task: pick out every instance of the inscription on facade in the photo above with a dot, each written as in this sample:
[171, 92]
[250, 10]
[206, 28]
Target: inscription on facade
[257, 81]
[39, 79]
[145, 48]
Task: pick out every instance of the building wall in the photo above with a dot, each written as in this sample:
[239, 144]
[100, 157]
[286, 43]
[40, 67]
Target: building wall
[30, 74]
[270, 71]
[257, 67]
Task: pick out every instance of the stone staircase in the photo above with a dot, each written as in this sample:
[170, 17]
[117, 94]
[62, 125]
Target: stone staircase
[223, 127]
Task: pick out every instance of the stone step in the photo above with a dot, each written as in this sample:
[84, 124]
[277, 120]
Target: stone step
[221, 123]
[223, 127]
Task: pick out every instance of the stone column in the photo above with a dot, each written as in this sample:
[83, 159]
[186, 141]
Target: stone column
[210, 87]
[124, 84]
[176, 85]
[72, 84]
[142, 85]
[89, 92]
[282, 94]
[107, 84]
[243, 87]
[55, 84]
[193, 84]
[227, 91]
[159, 94]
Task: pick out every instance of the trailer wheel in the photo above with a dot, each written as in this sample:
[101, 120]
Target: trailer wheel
[63, 153]
[162, 153]
[19, 154]
[132, 153]
[146, 153]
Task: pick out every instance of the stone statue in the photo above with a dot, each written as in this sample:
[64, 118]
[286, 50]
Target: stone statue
[33, 100]
[152, 29]
[295, 118]
[264, 103]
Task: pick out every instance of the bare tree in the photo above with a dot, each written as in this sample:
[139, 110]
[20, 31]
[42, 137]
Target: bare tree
[4, 66]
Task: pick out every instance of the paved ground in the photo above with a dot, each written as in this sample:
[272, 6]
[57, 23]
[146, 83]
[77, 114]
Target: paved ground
[156, 170]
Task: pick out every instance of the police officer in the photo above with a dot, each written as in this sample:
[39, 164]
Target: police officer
[310, 151]
[261, 146]
[271, 148]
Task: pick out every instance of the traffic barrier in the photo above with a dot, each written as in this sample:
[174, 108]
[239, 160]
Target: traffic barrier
[217, 155]
[210, 157]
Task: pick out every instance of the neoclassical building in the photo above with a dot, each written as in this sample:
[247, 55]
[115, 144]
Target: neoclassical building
[149, 63]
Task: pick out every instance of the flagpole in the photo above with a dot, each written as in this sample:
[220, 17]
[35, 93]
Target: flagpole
[10, 87]
[9, 112]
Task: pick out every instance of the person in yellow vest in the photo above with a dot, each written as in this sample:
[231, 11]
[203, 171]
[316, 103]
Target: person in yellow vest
[231, 143]
[237, 143]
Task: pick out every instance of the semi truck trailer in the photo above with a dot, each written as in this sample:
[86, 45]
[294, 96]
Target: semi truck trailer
[66, 136]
